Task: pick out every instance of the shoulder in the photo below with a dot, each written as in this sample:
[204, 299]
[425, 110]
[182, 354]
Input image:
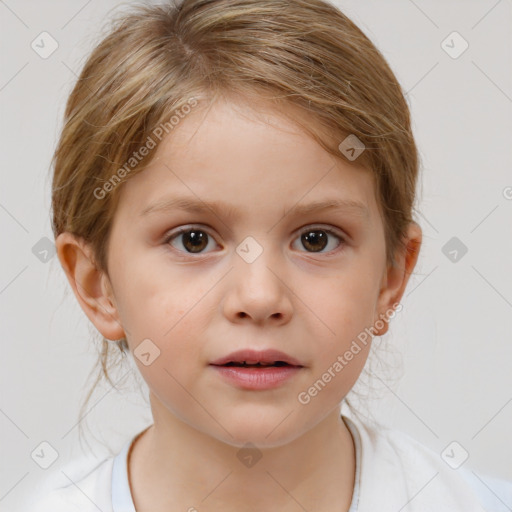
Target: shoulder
[399, 470]
[82, 485]
[494, 493]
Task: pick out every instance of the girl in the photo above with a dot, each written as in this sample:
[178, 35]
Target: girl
[232, 204]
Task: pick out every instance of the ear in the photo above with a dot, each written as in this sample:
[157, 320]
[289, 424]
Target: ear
[397, 275]
[91, 286]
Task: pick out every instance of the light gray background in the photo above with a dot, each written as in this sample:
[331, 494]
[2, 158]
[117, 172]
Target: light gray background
[453, 335]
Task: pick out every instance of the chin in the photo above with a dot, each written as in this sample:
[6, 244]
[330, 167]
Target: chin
[270, 433]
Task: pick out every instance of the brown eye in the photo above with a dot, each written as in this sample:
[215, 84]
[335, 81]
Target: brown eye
[316, 240]
[193, 240]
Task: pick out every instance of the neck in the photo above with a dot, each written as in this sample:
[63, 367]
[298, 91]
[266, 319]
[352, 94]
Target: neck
[173, 464]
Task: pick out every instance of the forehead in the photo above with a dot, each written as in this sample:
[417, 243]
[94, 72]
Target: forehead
[250, 160]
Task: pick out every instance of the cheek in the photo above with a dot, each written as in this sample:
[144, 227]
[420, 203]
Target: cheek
[157, 300]
[170, 320]
[345, 304]
[171, 379]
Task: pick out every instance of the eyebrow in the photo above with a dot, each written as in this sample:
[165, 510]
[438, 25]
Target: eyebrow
[194, 205]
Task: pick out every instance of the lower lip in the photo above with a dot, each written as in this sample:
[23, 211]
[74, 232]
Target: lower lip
[257, 378]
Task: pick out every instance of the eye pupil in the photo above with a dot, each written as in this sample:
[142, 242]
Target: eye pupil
[197, 239]
[311, 238]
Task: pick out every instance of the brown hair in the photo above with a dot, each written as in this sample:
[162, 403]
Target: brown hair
[158, 59]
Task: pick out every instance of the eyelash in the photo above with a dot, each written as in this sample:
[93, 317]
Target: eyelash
[332, 232]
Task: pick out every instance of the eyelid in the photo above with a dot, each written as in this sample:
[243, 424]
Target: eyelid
[307, 227]
[174, 233]
[324, 227]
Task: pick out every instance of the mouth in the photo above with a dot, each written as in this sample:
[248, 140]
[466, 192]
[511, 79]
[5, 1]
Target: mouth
[253, 370]
[244, 364]
[251, 358]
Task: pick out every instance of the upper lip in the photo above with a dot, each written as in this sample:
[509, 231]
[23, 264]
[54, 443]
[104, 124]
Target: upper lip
[251, 356]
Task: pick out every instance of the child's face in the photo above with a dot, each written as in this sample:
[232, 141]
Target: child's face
[198, 307]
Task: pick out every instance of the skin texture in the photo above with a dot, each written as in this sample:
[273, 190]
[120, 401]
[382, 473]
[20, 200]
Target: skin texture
[198, 307]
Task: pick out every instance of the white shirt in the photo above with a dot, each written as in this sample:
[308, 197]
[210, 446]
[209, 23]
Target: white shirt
[394, 473]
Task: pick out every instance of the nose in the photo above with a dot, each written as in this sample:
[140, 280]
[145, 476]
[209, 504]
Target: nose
[258, 292]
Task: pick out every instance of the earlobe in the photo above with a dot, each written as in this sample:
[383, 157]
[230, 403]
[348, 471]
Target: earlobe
[397, 276]
[90, 285]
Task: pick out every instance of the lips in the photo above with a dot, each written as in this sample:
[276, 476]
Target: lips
[257, 358]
